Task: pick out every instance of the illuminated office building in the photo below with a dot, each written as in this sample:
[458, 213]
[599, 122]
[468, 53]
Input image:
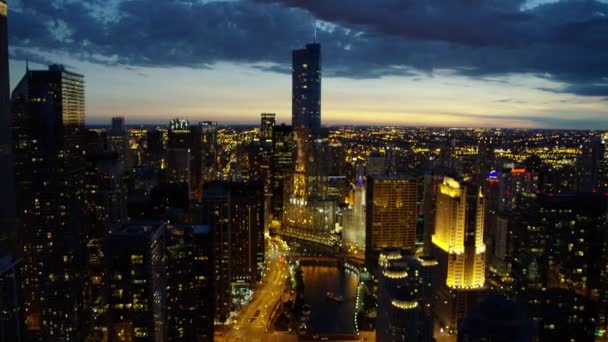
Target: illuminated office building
[135, 282]
[50, 163]
[354, 217]
[459, 249]
[391, 214]
[189, 273]
[8, 224]
[235, 213]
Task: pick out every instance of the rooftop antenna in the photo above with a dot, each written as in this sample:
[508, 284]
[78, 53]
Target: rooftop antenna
[27, 65]
[314, 25]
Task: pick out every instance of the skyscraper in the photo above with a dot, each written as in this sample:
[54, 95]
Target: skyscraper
[8, 231]
[189, 272]
[306, 92]
[281, 167]
[459, 249]
[391, 215]
[267, 125]
[210, 150]
[49, 146]
[405, 297]
[235, 213]
[135, 282]
[118, 140]
[178, 151]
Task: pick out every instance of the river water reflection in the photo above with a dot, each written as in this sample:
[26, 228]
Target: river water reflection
[329, 316]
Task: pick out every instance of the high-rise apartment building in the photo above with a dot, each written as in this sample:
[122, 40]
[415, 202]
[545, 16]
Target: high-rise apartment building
[135, 283]
[391, 203]
[49, 148]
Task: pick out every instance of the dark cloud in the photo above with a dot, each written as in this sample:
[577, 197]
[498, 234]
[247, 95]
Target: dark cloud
[564, 41]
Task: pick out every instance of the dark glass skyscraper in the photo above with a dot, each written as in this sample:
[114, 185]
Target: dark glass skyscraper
[306, 90]
[235, 214]
[50, 163]
[8, 237]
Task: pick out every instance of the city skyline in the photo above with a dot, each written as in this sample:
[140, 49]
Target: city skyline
[508, 76]
[230, 225]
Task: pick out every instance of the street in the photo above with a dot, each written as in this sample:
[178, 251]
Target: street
[254, 318]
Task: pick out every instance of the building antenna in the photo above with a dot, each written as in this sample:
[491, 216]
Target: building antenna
[27, 65]
[314, 25]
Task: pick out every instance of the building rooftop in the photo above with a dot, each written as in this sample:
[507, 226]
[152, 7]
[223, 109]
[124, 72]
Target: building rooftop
[137, 229]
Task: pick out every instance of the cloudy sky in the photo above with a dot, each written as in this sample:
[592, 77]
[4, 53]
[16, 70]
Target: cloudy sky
[489, 63]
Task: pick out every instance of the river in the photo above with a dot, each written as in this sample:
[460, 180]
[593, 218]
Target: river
[329, 316]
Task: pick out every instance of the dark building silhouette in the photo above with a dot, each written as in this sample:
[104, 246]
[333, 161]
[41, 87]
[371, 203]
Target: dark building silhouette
[560, 241]
[135, 283]
[235, 213]
[118, 140]
[268, 121]
[189, 271]
[210, 151]
[50, 163]
[178, 151]
[497, 319]
[306, 92]
[8, 224]
[282, 167]
[11, 301]
[589, 177]
[560, 314]
[155, 149]
[405, 297]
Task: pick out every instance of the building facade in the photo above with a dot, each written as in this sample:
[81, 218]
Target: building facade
[391, 214]
[459, 248]
[135, 283]
[50, 162]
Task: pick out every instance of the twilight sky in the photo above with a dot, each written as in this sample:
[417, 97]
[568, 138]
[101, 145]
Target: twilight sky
[488, 63]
